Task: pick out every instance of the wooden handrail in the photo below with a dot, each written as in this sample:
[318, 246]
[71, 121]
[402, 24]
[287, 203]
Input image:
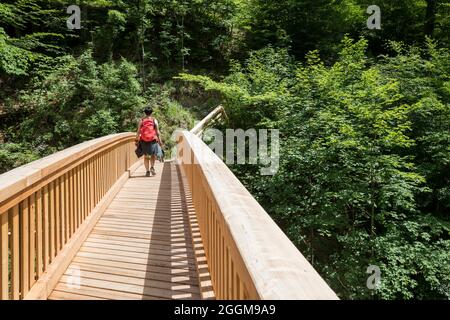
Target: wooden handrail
[218, 112]
[249, 256]
[47, 203]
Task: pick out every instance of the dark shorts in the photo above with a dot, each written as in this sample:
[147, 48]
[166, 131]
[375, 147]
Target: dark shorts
[149, 148]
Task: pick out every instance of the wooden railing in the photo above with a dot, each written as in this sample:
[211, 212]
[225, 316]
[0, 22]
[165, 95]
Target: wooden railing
[47, 206]
[216, 115]
[249, 256]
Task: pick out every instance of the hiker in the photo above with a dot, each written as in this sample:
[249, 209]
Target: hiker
[149, 136]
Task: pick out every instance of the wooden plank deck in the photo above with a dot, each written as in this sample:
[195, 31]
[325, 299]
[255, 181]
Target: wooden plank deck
[146, 245]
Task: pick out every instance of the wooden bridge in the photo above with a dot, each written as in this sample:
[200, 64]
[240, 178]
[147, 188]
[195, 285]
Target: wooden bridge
[85, 223]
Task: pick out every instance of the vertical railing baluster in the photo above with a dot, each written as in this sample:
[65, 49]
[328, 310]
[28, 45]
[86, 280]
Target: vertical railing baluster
[88, 187]
[4, 256]
[71, 203]
[107, 173]
[52, 221]
[91, 183]
[39, 234]
[67, 207]
[96, 197]
[32, 239]
[58, 214]
[79, 196]
[63, 209]
[15, 253]
[46, 224]
[102, 176]
[229, 273]
[233, 281]
[24, 248]
[222, 264]
[84, 191]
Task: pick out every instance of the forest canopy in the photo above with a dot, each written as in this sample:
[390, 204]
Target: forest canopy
[363, 113]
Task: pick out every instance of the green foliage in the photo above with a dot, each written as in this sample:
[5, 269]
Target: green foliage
[319, 24]
[19, 47]
[302, 25]
[80, 100]
[179, 33]
[14, 155]
[365, 165]
[13, 60]
[364, 162]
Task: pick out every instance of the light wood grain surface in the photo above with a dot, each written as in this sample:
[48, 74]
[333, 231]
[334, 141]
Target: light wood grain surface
[142, 247]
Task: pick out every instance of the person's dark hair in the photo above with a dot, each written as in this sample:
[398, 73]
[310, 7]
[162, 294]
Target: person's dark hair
[148, 111]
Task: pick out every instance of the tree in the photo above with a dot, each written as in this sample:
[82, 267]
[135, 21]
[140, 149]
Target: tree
[430, 17]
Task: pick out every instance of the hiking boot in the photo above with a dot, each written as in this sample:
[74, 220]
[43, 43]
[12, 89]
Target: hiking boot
[147, 174]
[152, 170]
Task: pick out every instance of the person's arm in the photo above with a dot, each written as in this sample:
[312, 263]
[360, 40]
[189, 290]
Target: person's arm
[158, 133]
[138, 132]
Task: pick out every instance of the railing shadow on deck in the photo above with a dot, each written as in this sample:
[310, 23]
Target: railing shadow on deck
[171, 266]
[204, 277]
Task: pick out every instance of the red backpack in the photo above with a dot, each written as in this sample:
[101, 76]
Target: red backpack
[148, 130]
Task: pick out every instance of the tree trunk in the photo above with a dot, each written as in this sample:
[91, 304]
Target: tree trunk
[430, 18]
